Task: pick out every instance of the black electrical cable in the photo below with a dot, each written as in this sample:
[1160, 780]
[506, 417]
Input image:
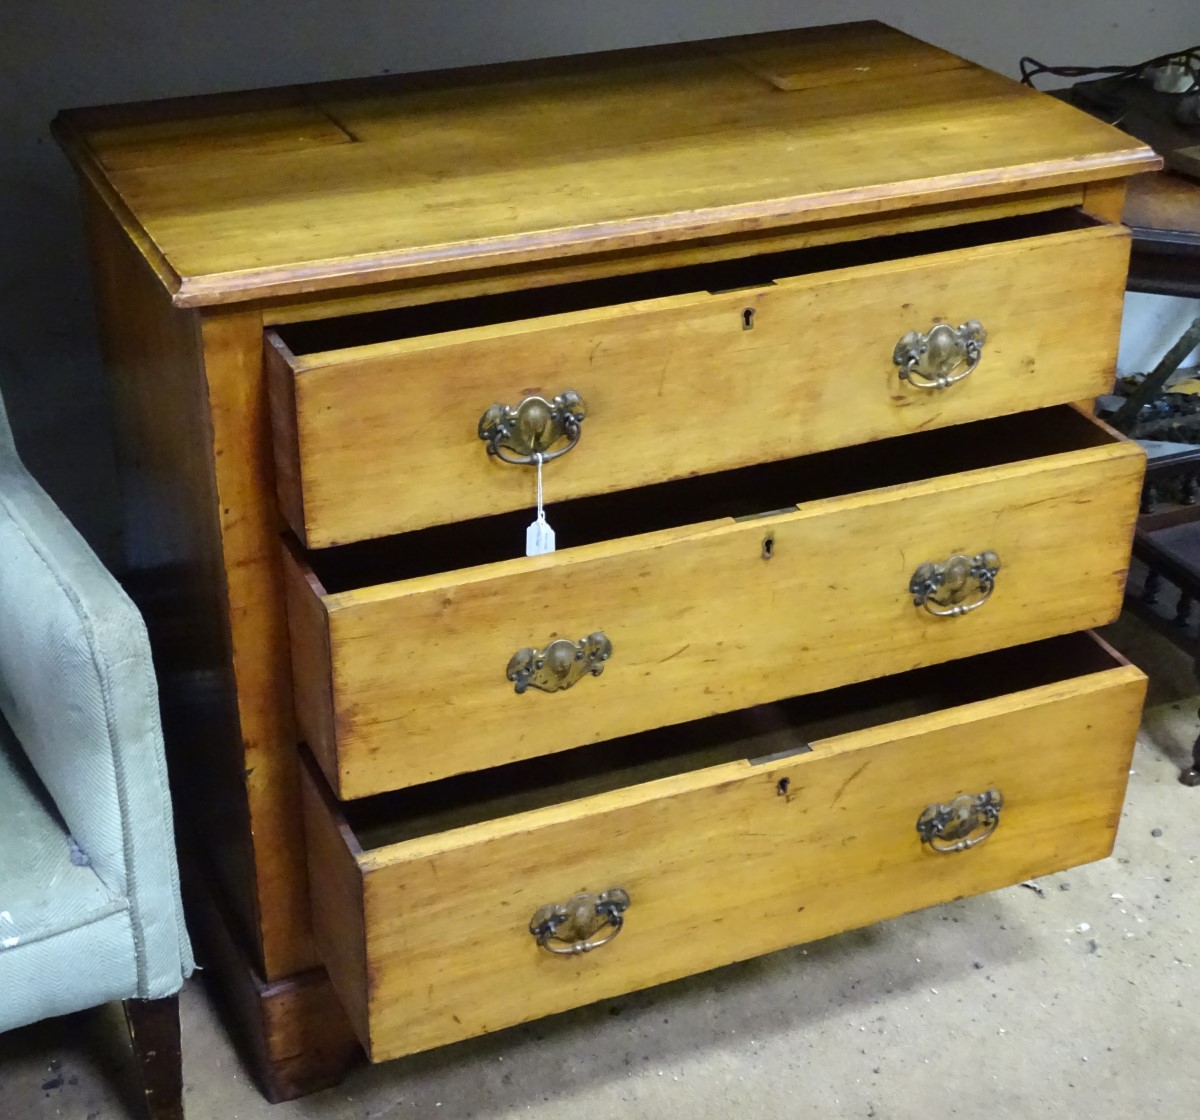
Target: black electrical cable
[1190, 57]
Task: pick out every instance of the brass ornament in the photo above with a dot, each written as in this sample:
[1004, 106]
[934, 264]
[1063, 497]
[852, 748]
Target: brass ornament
[955, 826]
[560, 664]
[940, 357]
[518, 434]
[956, 586]
[569, 928]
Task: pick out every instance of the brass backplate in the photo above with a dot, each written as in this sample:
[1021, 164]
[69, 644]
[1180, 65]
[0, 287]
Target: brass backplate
[560, 664]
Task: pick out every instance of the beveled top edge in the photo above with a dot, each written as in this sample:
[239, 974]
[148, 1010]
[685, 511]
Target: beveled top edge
[179, 258]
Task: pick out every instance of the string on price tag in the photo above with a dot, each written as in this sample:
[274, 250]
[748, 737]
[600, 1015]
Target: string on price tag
[539, 537]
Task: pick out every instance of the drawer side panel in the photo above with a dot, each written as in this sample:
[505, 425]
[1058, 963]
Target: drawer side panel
[339, 927]
[308, 628]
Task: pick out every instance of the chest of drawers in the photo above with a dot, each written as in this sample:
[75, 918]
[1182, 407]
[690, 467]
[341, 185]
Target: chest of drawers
[798, 325]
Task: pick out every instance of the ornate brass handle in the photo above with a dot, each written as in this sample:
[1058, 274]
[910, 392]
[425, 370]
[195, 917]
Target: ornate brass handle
[519, 433]
[569, 928]
[951, 826]
[961, 584]
[929, 361]
[560, 664]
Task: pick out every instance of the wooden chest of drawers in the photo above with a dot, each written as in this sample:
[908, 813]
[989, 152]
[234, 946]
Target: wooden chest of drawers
[798, 325]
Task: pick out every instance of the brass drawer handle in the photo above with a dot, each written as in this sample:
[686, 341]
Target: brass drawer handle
[961, 584]
[569, 928]
[948, 826]
[929, 361]
[560, 664]
[519, 434]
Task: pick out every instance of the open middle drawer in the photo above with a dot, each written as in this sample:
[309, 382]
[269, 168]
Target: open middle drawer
[908, 552]
[906, 792]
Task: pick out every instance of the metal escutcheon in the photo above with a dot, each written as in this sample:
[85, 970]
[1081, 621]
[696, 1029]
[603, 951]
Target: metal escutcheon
[569, 928]
[955, 826]
[560, 664]
[960, 585]
[519, 434]
[941, 356]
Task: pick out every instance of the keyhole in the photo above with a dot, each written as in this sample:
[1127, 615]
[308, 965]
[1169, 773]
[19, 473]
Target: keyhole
[768, 547]
[748, 319]
[782, 786]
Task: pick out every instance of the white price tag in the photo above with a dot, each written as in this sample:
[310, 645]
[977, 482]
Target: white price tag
[539, 537]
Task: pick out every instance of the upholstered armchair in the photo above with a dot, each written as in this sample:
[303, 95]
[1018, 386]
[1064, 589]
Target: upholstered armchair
[89, 892]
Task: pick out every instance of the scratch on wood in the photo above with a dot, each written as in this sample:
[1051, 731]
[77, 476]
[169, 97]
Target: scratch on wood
[842, 788]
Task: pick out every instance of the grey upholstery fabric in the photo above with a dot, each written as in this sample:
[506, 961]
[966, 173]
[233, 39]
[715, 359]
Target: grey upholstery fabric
[44, 889]
[78, 691]
[65, 939]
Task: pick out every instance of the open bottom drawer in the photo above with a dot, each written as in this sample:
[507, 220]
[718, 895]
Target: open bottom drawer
[728, 837]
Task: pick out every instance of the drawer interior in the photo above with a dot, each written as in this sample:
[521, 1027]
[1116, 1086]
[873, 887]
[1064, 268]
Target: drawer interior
[760, 735]
[319, 336]
[743, 493]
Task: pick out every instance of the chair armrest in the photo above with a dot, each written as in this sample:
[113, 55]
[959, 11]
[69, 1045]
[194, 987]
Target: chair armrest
[77, 687]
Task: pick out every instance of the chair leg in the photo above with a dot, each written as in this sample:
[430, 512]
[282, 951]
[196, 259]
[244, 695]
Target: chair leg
[1191, 777]
[154, 1032]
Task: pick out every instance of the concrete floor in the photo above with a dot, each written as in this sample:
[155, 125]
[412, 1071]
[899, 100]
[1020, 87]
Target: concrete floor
[1082, 999]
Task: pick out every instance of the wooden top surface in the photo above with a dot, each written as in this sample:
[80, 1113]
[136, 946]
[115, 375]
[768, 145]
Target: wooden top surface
[1164, 204]
[304, 189]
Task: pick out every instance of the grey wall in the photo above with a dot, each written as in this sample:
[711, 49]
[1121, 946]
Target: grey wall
[57, 53]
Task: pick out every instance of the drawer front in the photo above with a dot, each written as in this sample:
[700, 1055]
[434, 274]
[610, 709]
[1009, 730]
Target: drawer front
[405, 683]
[383, 439]
[718, 865]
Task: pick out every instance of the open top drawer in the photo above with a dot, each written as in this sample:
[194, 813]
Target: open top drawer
[377, 417]
[726, 838]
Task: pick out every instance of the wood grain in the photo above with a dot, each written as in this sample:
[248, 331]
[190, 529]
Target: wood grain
[1164, 203]
[292, 1033]
[255, 610]
[154, 1037]
[309, 202]
[455, 172]
[675, 386]
[695, 617]
[196, 465]
[815, 57]
[308, 629]
[338, 922]
[1105, 201]
[170, 553]
[155, 143]
[484, 281]
[285, 432]
[721, 866]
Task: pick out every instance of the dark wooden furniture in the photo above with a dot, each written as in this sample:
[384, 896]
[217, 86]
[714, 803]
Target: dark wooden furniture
[1162, 210]
[154, 1035]
[1164, 586]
